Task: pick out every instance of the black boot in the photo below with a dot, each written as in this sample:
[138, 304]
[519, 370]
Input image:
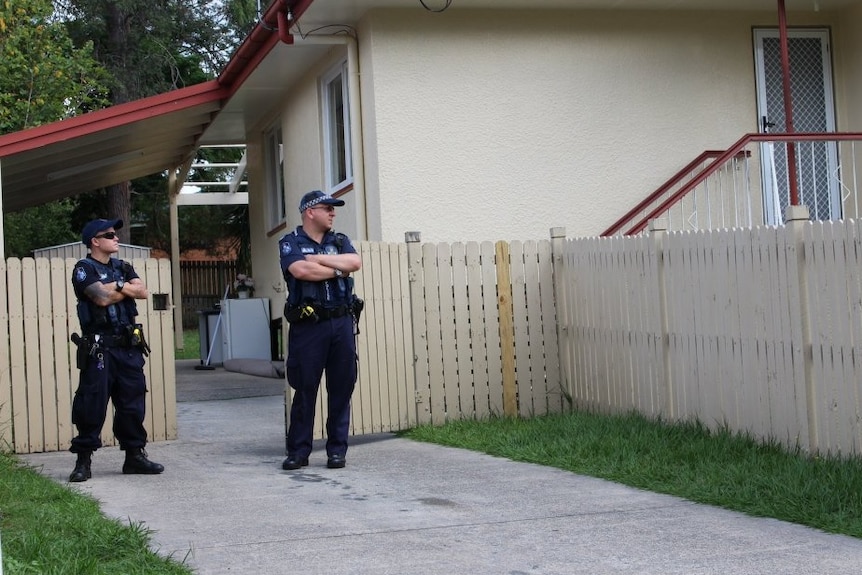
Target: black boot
[82, 468]
[137, 463]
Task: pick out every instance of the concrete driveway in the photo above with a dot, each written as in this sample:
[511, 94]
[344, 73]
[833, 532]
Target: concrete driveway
[224, 505]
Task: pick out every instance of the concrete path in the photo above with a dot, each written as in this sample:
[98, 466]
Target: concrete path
[399, 507]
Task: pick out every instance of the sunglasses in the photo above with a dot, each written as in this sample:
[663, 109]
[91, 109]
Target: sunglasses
[106, 235]
[327, 208]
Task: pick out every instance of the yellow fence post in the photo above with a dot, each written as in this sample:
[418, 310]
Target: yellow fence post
[507, 329]
[795, 218]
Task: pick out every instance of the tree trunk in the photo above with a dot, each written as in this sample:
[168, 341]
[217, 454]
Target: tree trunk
[119, 195]
[119, 207]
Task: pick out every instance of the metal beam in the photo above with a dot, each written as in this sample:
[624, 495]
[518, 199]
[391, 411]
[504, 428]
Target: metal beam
[213, 199]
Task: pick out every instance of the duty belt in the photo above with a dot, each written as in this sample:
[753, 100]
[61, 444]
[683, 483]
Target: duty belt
[114, 340]
[330, 313]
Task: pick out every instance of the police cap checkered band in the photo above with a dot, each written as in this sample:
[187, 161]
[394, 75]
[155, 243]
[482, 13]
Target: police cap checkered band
[311, 199]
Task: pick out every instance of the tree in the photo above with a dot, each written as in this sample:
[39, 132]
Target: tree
[151, 47]
[148, 47]
[40, 227]
[45, 78]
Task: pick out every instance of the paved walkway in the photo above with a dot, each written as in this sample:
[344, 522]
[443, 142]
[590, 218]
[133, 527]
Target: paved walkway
[404, 508]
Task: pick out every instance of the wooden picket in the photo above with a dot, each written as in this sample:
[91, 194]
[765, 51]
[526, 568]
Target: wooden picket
[38, 374]
[756, 330]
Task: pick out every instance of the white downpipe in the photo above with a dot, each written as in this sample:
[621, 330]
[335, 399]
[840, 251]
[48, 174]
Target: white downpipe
[353, 90]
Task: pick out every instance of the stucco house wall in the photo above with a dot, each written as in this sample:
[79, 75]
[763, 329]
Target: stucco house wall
[501, 124]
[486, 125]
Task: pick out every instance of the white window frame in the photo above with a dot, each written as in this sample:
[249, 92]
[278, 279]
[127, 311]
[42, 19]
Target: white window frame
[273, 163]
[337, 144]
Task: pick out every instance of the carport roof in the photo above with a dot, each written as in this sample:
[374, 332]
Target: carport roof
[105, 147]
[147, 136]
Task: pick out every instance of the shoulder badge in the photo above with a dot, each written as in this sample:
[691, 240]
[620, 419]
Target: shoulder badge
[80, 274]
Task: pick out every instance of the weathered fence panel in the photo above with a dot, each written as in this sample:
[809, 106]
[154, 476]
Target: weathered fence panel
[759, 330]
[385, 398]
[38, 375]
[464, 353]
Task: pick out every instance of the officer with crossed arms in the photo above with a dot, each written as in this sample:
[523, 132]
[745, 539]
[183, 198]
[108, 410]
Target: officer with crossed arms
[110, 353]
[322, 311]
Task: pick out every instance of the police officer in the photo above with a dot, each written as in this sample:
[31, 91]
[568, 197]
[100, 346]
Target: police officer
[317, 263]
[110, 353]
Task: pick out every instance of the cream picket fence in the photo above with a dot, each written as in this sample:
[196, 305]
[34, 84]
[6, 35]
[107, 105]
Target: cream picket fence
[756, 330]
[38, 376]
[453, 331]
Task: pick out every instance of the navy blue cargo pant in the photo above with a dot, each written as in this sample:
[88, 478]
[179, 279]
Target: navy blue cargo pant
[117, 374]
[328, 345]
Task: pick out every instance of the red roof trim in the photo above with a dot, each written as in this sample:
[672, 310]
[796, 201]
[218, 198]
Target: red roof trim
[119, 115]
[250, 54]
[258, 44]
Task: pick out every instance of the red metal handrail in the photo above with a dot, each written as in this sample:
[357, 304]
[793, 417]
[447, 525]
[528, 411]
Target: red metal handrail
[688, 169]
[716, 164]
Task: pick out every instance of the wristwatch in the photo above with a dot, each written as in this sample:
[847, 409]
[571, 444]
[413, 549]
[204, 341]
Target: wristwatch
[338, 272]
[120, 284]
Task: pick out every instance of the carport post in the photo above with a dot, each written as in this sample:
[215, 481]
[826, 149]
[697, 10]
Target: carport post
[176, 280]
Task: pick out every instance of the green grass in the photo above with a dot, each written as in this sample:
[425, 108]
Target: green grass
[192, 344]
[687, 460]
[47, 528]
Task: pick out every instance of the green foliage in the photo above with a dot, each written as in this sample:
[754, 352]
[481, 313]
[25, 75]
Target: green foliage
[39, 227]
[45, 78]
[191, 345]
[151, 48]
[688, 460]
[242, 16]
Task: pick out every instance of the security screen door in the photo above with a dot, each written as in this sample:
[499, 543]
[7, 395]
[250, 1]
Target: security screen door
[813, 111]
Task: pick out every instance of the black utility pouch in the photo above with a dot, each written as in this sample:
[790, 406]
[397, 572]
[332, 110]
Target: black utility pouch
[82, 356]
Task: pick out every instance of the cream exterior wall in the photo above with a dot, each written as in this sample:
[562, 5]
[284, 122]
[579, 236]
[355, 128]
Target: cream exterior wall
[500, 125]
[847, 58]
[485, 125]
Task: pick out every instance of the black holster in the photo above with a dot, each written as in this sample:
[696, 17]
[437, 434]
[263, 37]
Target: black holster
[356, 307]
[137, 339]
[83, 353]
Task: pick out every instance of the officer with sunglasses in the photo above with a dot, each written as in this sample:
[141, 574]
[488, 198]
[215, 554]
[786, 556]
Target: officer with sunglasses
[316, 263]
[111, 353]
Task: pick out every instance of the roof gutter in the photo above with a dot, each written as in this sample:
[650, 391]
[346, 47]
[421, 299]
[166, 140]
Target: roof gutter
[260, 41]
